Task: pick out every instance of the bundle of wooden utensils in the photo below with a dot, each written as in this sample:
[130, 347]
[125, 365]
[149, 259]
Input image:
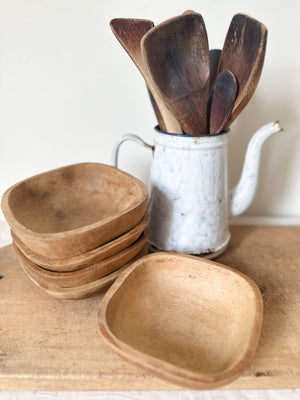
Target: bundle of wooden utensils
[194, 90]
[75, 228]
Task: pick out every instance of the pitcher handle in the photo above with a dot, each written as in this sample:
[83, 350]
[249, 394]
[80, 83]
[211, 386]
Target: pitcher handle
[124, 138]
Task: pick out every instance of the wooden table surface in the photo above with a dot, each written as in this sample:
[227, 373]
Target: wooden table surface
[50, 344]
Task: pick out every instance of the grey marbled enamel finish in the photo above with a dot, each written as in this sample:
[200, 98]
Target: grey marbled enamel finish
[188, 204]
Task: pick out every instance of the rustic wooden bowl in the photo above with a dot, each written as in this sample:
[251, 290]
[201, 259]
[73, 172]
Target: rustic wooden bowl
[91, 257]
[79, 292]
[184, 319]
[73, 209]
[90, 273]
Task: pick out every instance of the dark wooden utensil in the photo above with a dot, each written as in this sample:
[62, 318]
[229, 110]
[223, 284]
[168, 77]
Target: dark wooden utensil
[129, 33]
[214, 58]
[177, 55]
[188, 12]
[224, 93]
[160, 120]
[243, 54]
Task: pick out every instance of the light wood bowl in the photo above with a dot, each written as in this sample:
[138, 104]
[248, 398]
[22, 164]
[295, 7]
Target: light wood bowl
[73, 209]
[91, 257]
[184, 319]
[90, 273]
[78, 292]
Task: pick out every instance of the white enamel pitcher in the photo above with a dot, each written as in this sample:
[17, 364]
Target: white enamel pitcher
[190, 204]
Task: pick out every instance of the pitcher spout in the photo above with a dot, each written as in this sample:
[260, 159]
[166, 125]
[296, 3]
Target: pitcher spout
[242, 195]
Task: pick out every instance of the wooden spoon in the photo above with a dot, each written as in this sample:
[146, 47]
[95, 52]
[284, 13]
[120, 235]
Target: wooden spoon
[177, 55]
[243, 54]
[160, 120]
[214, 58]
[223, 96]
[129, 33]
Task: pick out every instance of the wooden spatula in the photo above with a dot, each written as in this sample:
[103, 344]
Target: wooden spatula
[214, 58]
[223, 96]
[129, 33]
[243, 54]
[177, 56]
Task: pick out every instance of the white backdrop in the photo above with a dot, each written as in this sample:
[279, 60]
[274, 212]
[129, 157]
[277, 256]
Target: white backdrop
[68, 90]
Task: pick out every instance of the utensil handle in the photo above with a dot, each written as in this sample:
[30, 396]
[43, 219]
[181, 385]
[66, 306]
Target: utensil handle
[124, 138]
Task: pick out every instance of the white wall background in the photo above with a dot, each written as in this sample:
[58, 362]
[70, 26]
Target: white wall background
[68, 90]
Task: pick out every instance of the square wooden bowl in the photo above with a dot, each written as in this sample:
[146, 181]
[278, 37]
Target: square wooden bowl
[93, 256]
[184, 319]
[83, 291]
[91, 272]
[73, 209]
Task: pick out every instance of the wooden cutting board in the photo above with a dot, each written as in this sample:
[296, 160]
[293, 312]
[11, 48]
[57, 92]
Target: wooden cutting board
[50, 344]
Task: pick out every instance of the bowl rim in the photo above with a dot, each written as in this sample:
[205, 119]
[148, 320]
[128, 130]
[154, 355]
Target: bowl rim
[89, 257]
[45, 236]
[164, 369]
[83, 291]
[51, 276]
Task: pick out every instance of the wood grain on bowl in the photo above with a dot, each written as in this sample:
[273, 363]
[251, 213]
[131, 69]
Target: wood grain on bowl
[190, 321]
[91, 257]
[76, 292]
[73, 209]
[90, 273]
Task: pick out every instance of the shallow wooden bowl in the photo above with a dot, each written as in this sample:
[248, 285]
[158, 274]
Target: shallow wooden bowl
[187, 320]
[71, 210]
[90, 273]
[79, 292]
[91, 257]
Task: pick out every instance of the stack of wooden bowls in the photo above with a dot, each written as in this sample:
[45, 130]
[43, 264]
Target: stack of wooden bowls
[76, 228]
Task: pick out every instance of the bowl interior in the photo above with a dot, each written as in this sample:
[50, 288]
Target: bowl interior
[73, 196]
[185, 312]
